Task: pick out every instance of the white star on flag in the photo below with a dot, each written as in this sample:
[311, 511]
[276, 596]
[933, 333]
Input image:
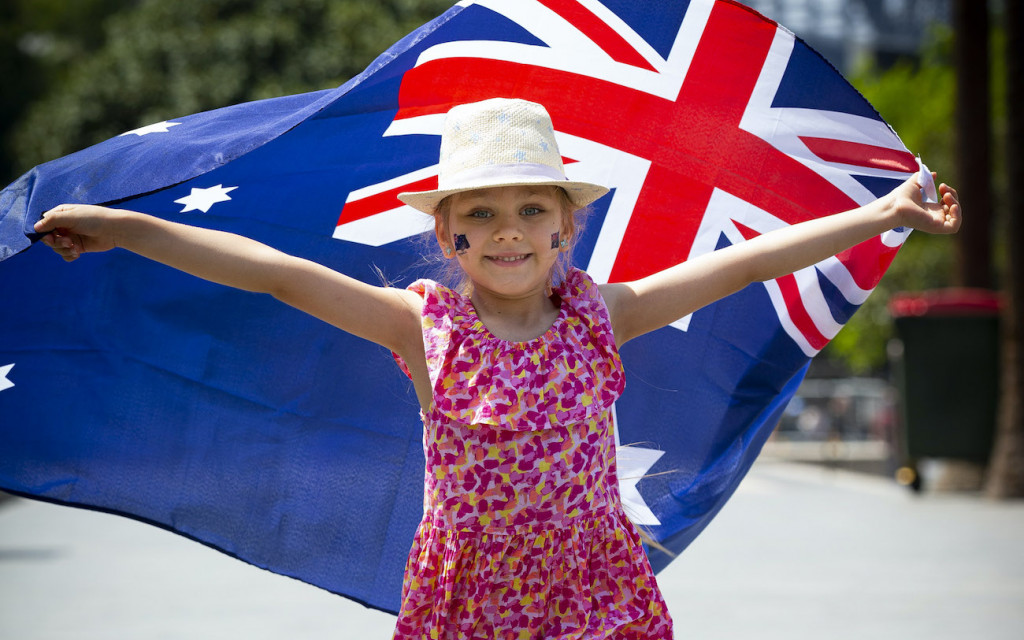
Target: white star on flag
[4, 382]
[203, 199]
[632, 464]
[157, 127]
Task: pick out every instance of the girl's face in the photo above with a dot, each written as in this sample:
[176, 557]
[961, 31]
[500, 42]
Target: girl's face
[506, 239]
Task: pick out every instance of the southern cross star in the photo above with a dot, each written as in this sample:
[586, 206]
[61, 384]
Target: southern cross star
[157, 127]
[203, 199]
[632, 464]
[4, 382]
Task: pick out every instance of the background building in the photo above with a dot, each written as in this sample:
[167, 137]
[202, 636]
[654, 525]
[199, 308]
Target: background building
[847, 31]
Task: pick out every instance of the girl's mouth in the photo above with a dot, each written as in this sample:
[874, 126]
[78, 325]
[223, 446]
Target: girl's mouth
[510, 259]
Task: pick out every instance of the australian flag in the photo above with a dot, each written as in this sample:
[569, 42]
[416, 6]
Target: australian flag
[239, 422]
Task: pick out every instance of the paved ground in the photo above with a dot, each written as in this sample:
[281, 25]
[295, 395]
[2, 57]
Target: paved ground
[800, 552]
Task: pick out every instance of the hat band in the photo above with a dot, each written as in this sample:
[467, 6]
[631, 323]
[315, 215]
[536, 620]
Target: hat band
[501, 174]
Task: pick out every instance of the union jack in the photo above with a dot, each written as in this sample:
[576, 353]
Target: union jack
[691, 135]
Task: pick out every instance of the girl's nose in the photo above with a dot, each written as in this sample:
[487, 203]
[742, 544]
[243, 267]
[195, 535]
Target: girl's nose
[508, 230]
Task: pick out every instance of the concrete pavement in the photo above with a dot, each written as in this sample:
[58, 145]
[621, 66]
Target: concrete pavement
[800, 552]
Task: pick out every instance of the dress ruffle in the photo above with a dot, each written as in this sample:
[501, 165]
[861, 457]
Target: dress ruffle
[566, 582]
[569, 374]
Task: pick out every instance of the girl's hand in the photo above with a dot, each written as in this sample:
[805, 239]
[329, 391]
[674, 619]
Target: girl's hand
[938, 217]
[74, 229]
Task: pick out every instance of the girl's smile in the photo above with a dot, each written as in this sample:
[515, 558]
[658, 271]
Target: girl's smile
[510, 259]
[502, 237]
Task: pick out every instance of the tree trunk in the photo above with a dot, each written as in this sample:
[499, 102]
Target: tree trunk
[1006, 471]
[974, 245]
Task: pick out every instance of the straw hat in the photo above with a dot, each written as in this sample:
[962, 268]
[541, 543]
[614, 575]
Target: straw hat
[498, 143]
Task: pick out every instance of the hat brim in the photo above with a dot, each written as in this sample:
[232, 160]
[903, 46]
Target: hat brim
[580, 193]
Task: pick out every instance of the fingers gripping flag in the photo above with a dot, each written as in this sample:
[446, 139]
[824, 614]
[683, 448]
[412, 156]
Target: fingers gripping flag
[234, 420]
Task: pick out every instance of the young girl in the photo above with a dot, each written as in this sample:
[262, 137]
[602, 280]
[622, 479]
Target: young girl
[523, 534]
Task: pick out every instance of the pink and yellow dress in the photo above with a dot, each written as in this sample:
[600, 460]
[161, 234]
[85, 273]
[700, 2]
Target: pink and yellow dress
[523, 534]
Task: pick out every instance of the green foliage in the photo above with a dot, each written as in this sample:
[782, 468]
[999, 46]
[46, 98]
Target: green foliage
[917, 99]
[160, 59]
[37, 39]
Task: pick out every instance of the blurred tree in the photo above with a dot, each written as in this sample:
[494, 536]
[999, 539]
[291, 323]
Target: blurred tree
[925, 120]
[1006, 471]
[973, 135]
[38, 39]
[161, 59]
[925, 117]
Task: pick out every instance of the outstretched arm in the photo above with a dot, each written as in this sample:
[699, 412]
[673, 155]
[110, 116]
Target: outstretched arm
[657, 300]
[389, 317]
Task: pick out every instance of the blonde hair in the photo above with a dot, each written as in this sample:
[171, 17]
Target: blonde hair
[453, 275]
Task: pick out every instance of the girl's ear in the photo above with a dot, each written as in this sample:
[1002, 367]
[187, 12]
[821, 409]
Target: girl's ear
[566, 232]
[441, 233]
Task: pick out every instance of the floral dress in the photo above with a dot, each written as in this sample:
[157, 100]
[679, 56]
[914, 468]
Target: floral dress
[523, 534]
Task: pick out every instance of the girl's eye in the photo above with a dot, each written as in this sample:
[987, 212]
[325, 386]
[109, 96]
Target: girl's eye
[531, 211]
[480, 213]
